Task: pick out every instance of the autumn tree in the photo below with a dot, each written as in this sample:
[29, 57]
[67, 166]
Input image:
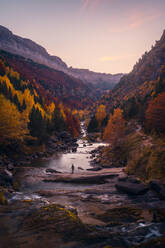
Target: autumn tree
[26, 108]
[115, 129]
[50, 108]
[155, 114]
[101, 114]
[12, 126]
[72, 124]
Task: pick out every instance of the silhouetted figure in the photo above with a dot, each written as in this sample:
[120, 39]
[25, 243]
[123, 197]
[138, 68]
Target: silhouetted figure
[72, 168]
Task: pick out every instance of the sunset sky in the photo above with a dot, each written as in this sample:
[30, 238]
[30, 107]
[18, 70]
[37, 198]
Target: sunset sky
[101, 35]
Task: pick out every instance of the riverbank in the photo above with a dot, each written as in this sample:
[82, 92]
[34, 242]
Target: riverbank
[95, 207]
[12, 161]
[82, 215]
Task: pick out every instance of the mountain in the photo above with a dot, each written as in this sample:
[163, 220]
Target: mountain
[29, 49]
[101, 81]
[71, 91]
[144, 82]
[132, 119]
[29, 115]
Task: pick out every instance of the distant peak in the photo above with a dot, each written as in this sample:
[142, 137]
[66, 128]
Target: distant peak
[5, 31]
[162, 39]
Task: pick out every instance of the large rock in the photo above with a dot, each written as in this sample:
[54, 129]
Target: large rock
[94, 169]
[74, 149]
[92, 178]
[50, 170]
[131, 188]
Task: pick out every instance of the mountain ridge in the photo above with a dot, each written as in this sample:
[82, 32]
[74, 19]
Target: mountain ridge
[142, 81]
[71, 91]
[30, 49]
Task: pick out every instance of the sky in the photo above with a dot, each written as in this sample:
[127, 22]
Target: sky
[101, 35]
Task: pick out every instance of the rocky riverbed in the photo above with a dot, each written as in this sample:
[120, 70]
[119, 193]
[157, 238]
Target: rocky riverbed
[84, 214]
[94, 207]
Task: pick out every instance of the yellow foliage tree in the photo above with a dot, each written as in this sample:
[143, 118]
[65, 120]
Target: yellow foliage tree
[61, 107]
[6, 80]
[50, 108]
[12, 125]
[101, 113]
[14, 74]
[115, 129]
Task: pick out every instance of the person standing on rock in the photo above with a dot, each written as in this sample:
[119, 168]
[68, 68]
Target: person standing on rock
[72, 168]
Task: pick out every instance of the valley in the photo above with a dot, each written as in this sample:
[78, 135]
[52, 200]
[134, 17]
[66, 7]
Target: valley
[97, 204]
[82, 154]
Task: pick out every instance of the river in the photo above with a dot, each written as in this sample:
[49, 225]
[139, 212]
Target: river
[29, 175]
[90, 200]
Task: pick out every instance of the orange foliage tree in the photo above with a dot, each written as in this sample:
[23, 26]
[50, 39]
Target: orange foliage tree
[73, 124]
[115, 129]
[155, 114]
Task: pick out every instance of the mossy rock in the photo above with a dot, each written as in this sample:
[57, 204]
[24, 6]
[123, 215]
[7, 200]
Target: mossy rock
[121, 215]
[57, 220]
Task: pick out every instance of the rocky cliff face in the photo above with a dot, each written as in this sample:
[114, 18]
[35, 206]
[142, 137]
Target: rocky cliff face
[143, 81]
[100, 80]
[29, 49]
[147, 69]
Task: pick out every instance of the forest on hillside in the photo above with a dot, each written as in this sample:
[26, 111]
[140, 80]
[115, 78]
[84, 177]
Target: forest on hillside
[131, 117]
[29, 116]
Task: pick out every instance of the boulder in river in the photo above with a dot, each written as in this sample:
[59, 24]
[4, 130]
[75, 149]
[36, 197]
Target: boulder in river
[92, 178]
[94, 169]
[132, 188]
[49, 170]
[74, 149]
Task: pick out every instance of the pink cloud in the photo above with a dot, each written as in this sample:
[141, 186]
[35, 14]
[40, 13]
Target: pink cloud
[84, 4]
[138, 19]
[90, 4]
[134, 21]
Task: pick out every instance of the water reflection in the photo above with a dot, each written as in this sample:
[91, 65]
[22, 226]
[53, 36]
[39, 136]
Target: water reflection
[80, 159]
